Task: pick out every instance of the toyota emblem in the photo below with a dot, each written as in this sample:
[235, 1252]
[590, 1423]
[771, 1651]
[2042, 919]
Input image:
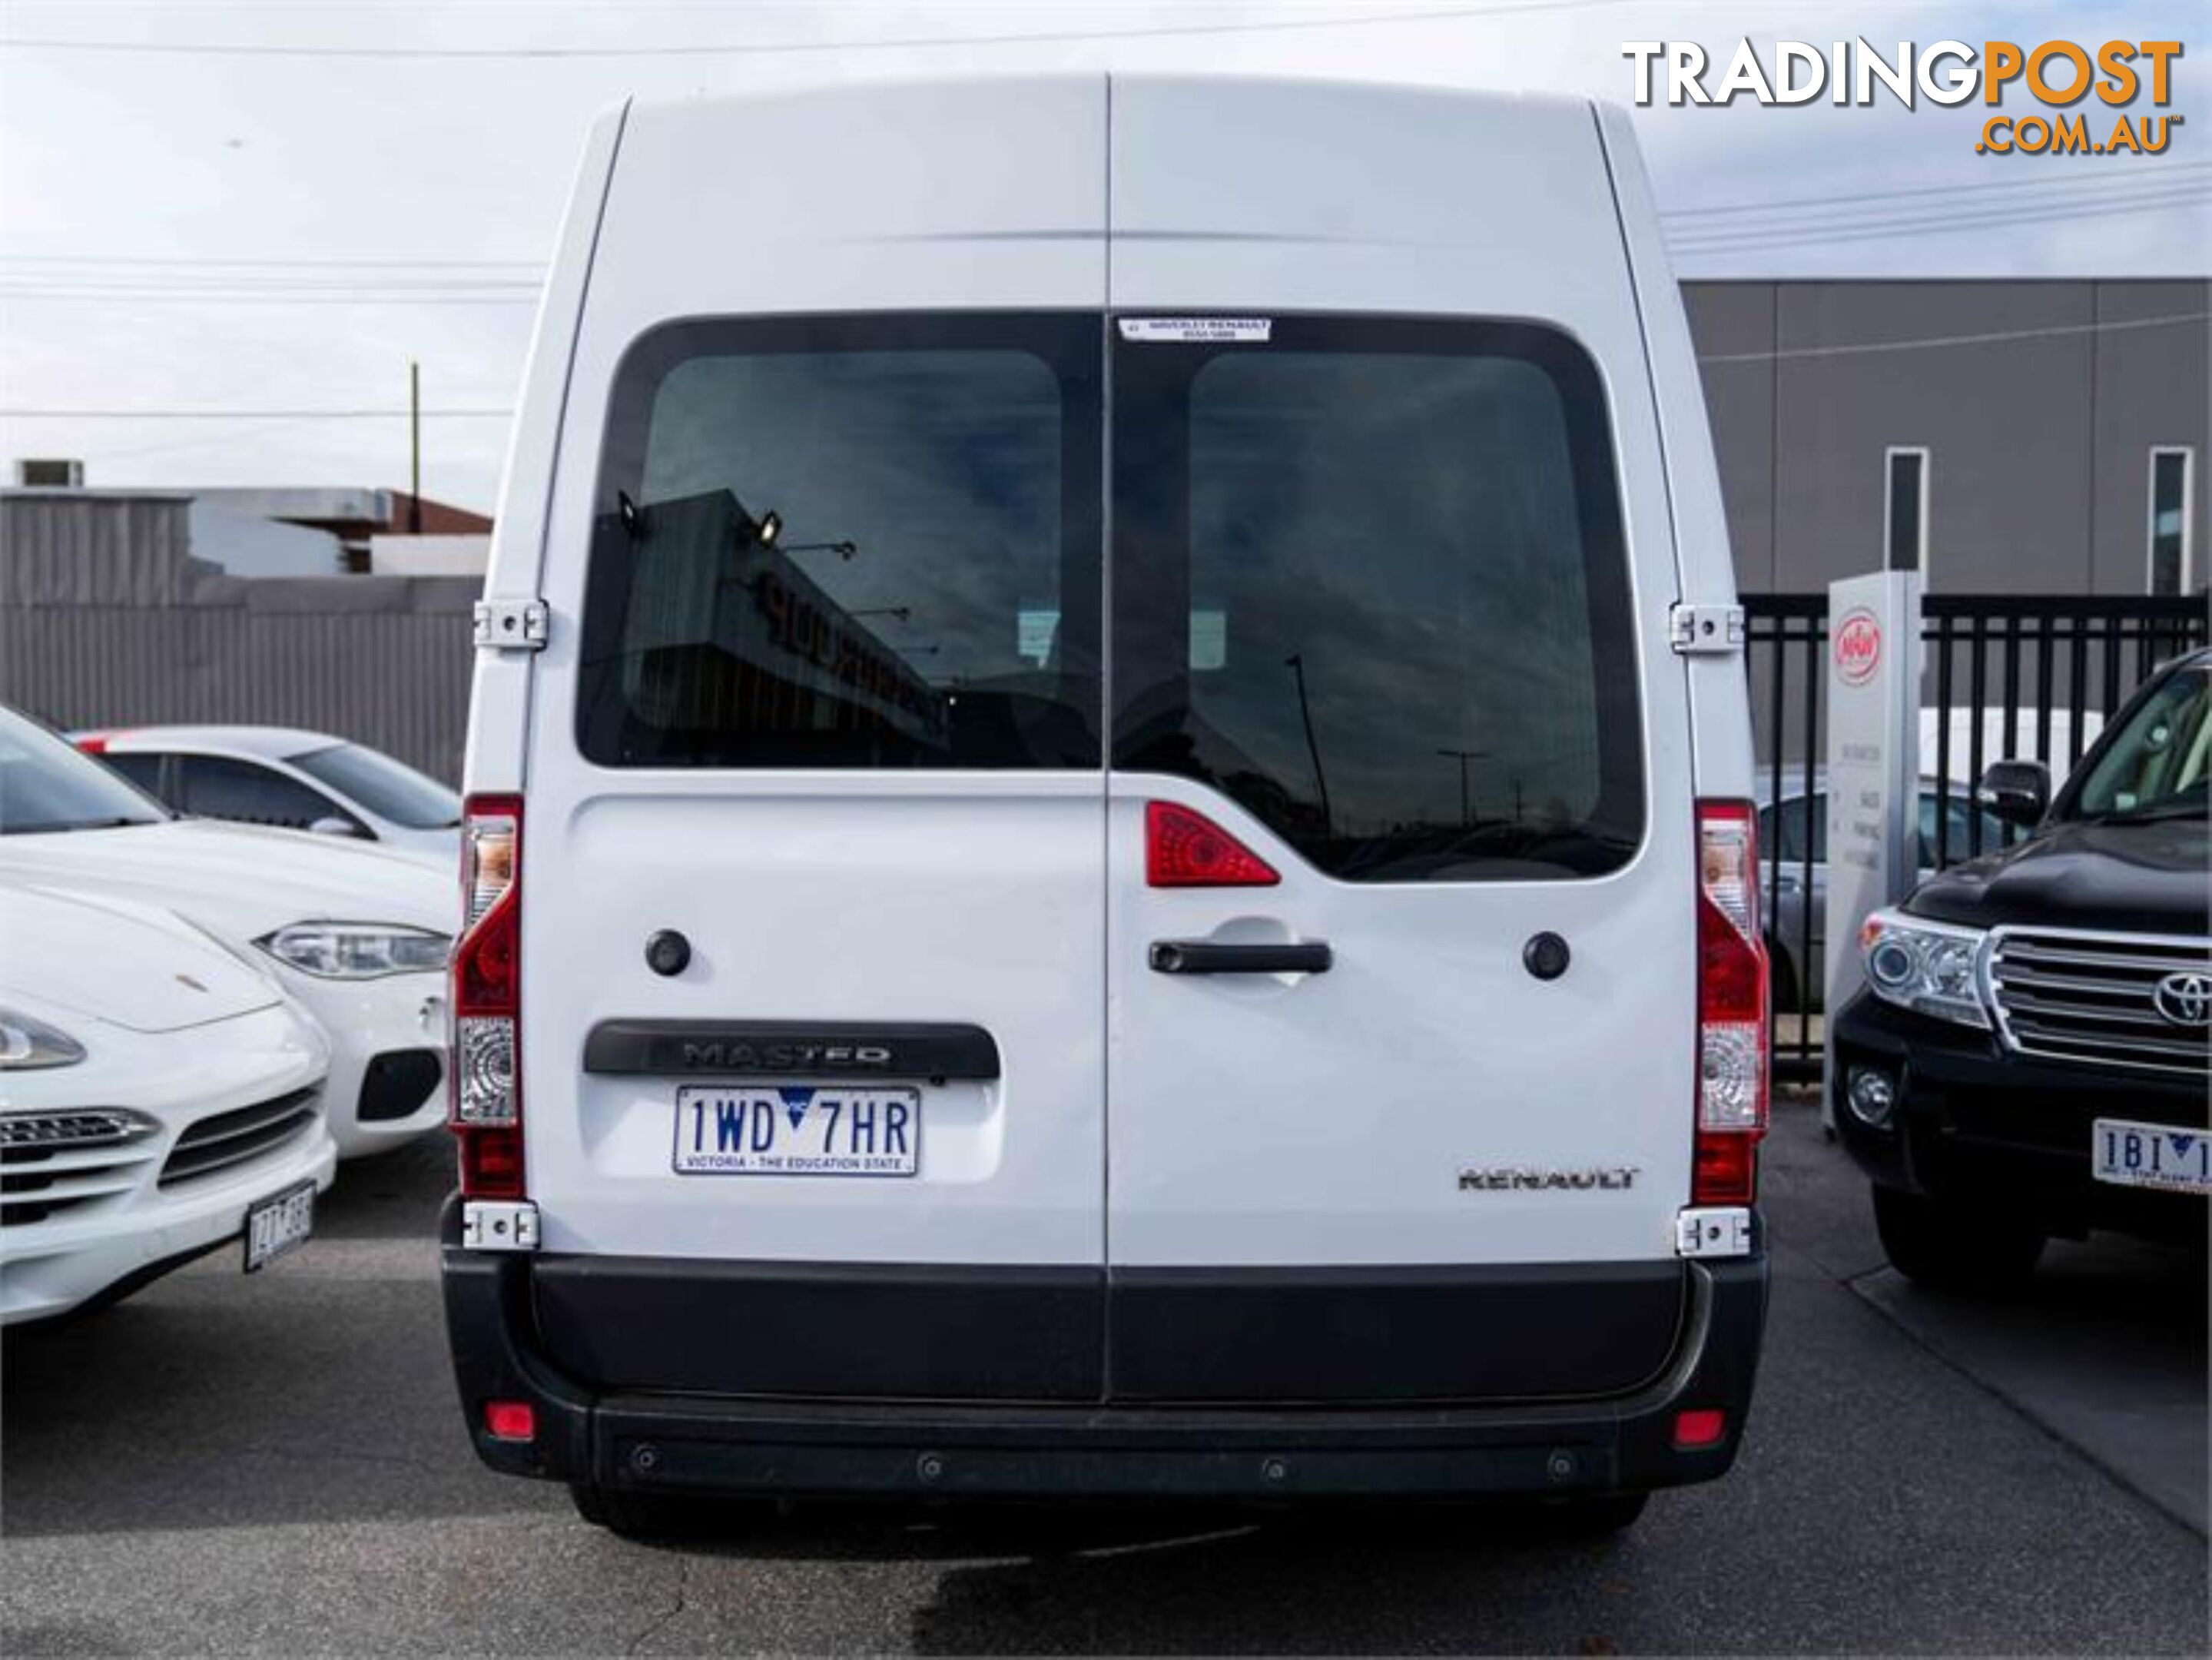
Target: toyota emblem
[2185, 999]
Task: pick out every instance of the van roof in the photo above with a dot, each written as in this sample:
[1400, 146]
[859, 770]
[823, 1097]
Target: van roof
[1381, 197]
[981, 84]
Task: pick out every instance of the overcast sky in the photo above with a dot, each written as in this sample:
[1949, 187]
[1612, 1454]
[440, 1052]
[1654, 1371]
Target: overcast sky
[190, 230]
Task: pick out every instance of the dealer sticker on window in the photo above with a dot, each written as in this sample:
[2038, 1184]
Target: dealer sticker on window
[1196, 328]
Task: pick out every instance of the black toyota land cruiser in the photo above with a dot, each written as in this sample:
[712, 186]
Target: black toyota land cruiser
[2033, 1051]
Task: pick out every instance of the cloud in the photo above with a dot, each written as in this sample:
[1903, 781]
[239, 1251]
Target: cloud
[126, 158]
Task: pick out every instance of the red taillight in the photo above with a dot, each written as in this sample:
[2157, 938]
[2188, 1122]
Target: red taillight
[1187, 849]
[94, 743]
[486, 1100]
[510, 1421]
[1731, 1007]
[1700, 1426]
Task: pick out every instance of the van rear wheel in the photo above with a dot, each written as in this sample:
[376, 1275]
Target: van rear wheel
[1953, 1247]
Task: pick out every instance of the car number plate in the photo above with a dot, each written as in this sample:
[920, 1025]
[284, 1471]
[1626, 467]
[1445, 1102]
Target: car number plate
[2134, 1155]
[278, 1224]
[797, 1129]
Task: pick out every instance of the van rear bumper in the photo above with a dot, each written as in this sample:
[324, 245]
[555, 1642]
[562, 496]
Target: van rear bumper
[678, 1444]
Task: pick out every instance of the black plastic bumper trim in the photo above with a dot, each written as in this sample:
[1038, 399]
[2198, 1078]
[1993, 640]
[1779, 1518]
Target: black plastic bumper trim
[675, 1442]
[1517, 1331]
[398, 1083]
[2008, 1133]
[801, 1329]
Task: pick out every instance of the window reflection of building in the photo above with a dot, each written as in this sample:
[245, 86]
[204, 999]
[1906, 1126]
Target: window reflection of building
[725, 635]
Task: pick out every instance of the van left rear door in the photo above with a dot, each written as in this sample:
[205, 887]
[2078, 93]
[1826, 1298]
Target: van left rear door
[829, 708]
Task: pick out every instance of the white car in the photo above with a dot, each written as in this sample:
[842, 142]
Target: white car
[158, 1099]
[290, 779]
[357, 935]
[1108, 815]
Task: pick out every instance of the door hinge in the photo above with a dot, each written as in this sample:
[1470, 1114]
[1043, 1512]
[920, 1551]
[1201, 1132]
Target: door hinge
[511, 625]
[1706, 630]
[499, 1225]
[1713, 1231]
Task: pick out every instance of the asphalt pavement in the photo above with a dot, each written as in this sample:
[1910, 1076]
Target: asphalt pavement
[277, 1465]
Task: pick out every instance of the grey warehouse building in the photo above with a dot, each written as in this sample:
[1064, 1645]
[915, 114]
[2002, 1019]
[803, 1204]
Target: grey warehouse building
[2005, 436]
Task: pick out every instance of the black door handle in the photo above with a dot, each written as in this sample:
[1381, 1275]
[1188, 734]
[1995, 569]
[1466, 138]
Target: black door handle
[1212, 957]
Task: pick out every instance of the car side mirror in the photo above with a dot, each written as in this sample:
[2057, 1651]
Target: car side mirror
[333, 827]
[2017, 792]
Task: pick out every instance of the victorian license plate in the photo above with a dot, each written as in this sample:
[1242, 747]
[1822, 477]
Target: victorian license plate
[797, 1129]
[2136, 1155]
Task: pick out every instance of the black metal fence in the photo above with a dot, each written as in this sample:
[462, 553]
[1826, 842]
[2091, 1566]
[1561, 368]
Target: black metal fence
[2004, 677]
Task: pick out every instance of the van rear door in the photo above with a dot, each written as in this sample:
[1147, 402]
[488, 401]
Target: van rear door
[1406, 1114]
[828, 710]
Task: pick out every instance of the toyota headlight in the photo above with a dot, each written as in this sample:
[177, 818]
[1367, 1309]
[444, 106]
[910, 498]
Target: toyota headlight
[1931, 968]
[356, 951]
[27, 1044]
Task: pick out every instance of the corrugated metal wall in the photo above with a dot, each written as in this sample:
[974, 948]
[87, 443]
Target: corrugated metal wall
[105, 620]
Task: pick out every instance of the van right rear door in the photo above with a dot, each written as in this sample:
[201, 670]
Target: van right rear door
[1391, 557]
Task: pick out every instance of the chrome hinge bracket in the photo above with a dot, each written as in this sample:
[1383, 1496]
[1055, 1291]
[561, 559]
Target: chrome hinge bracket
[511, 625]
[1706, 630]
[1713, 1231]
[499, 1225]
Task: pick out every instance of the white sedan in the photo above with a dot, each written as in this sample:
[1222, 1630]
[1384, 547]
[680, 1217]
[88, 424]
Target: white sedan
[356, 936]
[289, 779]
[159, 1098]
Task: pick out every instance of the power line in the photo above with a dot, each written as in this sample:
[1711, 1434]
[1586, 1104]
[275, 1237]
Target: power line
[255, 263]
[194, 282]
[259, 259]
[1852, 230]
[1928, 343]
[1880, 233]
[1935, 342]
[72, 296]
[259, 268]
[761, 49]
[2111, 178]
[250, 415]
[1845, 229]
[281, 288]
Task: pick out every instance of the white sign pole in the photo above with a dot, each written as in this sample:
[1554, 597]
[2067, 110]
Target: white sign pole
[1874, 768]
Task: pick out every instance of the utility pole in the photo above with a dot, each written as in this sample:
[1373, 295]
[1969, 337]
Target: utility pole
[413, 447]
[1466, 808]
[1296, 663]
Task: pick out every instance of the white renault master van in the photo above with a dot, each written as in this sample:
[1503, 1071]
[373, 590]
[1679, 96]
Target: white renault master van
[1107, 844]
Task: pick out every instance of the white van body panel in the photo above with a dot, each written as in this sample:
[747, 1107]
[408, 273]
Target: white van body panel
[915, 604]
[941, 896]
[499, 696]
[927, 198]
[1722, 722]
[1327, 1119]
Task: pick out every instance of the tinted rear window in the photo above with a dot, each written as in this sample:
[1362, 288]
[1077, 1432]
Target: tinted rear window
[384, 785]
[222, 787]
[1369, 581]
[849, 543]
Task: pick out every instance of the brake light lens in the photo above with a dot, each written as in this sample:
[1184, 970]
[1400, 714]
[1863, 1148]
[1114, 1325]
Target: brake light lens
[485, 1112]
[1732, 1036]
[510, 1421]
[1699, 1426]
[1187, 849]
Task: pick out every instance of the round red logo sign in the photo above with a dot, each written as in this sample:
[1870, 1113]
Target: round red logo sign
[1858, 646]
